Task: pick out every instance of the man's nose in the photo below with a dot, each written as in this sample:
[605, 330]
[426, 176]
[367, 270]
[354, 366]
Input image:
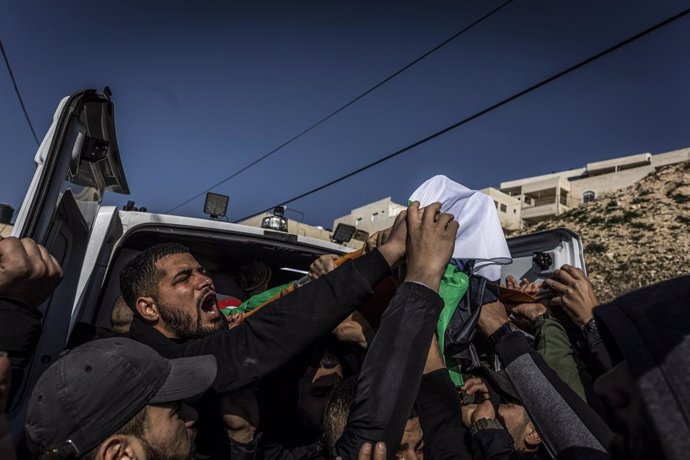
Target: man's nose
[204, 281]
[188, 414]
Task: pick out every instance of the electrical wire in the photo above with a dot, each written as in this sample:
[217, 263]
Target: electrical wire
[19, 96]
[345, 106]
[484, 111]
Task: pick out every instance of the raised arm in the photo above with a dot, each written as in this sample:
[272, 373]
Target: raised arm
[284, 328]
[392, 370]
[567, 425]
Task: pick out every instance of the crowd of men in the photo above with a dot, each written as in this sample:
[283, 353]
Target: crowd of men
[316, 375]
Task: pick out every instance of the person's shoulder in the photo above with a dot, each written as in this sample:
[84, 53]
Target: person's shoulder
[148, 335]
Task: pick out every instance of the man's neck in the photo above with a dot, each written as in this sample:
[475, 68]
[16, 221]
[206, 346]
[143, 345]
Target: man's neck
[157, 326]
[163, 330]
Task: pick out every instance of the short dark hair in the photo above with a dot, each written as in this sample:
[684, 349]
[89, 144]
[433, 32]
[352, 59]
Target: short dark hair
[135, 427]
[337, 411]
[139, 277]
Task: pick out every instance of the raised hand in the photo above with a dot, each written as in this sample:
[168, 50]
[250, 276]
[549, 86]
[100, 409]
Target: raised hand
[476, 387]
[240, 412]
[366, 450]
[430, 243]
[355, 329]
[574, 292]
[392, 242]
[324, 264]
[28, 273]
[482, 408]
[492, 317]
[234, 320]
[528, 311]
[526, 286]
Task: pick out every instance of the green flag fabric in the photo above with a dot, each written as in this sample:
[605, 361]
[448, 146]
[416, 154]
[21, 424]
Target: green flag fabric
[256, 300]
[453, 287]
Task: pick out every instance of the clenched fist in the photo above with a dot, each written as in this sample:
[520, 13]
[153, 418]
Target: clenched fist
[28, 273]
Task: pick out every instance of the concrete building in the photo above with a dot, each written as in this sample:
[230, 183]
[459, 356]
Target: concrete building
[381, 214]
[544, 196]
[518, 201]
[508, 208]
[372, 217]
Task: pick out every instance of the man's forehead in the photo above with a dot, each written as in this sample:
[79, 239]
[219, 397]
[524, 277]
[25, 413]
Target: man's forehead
[170, 263]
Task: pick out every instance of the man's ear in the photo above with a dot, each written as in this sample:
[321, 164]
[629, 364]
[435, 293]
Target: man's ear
[532, 438]
[117, 447]
[148, 308]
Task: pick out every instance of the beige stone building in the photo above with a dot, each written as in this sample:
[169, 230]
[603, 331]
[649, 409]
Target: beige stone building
[533, 199]
[507, 207]
[553, 194]
[372, 217]
[381, 214]
[519, 201]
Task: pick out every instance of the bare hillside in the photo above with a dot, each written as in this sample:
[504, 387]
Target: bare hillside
[636, 236]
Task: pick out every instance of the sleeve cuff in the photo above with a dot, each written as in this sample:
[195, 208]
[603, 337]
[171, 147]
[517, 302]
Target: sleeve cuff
[419, 290]
[512, 346]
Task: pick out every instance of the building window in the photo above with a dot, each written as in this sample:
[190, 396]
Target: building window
[528, 200]
[374, 216]
[564, 197]
[588, 196]
[504, 208]
[358, 221]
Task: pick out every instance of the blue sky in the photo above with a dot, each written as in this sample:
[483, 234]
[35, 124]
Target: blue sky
[203, 88]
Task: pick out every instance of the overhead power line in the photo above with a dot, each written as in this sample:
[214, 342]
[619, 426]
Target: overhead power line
[343, 107]
[16, 90]
[485, 111]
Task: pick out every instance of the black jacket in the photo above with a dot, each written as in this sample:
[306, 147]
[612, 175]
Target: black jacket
[392, 372]
[281, 330]
[650, 329]
[20, 329]
[439, 416]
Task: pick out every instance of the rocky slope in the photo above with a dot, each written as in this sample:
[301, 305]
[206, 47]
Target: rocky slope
[636, 236]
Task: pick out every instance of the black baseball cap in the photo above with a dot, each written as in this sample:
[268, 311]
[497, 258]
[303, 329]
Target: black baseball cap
[92, 391]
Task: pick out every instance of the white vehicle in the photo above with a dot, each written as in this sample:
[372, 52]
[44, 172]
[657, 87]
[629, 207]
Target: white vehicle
[79, 160]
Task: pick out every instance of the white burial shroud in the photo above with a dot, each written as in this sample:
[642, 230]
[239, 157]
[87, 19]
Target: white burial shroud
[480, 236]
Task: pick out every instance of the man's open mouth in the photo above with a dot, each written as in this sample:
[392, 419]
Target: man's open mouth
[209, 305]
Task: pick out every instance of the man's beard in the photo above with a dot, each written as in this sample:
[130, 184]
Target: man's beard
[184, 326]
[153, 453]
